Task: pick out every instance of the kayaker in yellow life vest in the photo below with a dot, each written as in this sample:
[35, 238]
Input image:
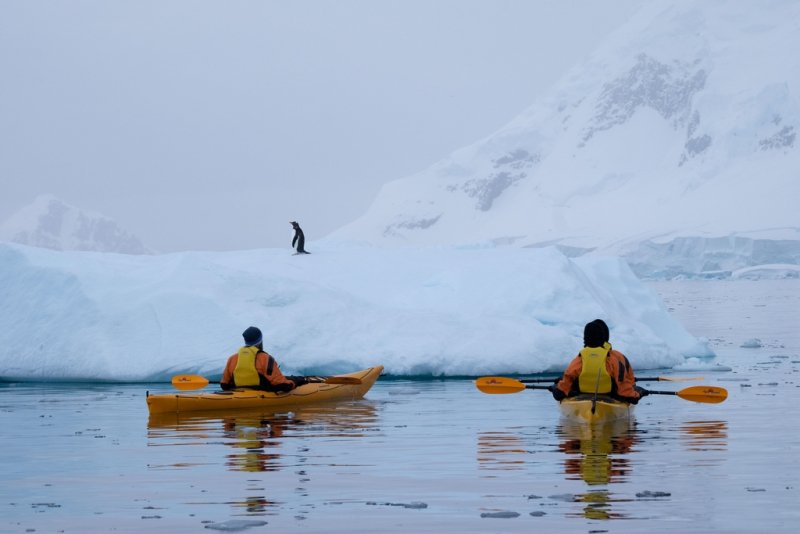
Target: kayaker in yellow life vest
[253, 368]
[599, 368]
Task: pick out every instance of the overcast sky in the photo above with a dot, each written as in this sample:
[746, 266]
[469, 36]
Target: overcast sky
[210, 125]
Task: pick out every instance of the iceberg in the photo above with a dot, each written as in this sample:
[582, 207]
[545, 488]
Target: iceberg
[439, 311]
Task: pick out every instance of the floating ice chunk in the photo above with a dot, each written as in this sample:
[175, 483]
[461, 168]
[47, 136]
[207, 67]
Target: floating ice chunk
[652, 494]
[567, 497]
[235, 525]
[81, 398]
[537, 514]
[403, 391]
[695, 365]
[500, 515]
[414, 505]
[752, 344]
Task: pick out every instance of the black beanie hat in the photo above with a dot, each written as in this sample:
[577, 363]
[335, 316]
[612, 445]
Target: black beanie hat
[595, 334]
[252, 336]
[604, 326]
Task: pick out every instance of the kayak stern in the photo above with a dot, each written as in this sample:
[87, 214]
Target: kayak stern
[579, 409]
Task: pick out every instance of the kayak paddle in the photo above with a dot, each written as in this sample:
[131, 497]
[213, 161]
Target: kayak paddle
[647, 379]
[706, 394]
[192, 382]
[541, 380]
[666, 379]
[498, 386]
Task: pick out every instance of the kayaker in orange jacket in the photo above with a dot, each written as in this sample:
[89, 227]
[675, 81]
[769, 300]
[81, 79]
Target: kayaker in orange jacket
[253, 368]
[599, 368]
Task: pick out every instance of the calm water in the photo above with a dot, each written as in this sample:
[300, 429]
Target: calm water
[428, 456]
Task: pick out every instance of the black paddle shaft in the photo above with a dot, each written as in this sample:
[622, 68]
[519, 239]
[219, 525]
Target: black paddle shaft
[650, 392]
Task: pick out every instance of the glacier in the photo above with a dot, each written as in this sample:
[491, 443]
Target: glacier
[435, 311]
[672, 146]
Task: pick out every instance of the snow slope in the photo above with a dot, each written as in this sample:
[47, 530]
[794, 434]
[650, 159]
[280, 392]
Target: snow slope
[673, 145]
[440, 311]
[51, 223]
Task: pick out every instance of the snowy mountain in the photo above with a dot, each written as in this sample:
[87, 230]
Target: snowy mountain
[673, 145]
[51, 223]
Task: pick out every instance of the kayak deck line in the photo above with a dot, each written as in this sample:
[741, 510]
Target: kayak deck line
[248, 398]
[579, 409]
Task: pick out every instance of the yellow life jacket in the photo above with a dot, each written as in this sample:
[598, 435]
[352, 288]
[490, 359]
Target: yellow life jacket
[594, 362]
[245, 373]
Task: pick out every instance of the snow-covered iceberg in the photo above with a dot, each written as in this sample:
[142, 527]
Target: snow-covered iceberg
[439, 311]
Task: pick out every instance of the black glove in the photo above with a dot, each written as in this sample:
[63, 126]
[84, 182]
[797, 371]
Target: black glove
[299, 381]
[641, 391]
[557, 393]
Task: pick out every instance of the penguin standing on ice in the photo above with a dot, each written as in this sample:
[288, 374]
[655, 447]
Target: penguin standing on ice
[299, 238]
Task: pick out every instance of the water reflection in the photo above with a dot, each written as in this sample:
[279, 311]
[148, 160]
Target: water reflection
[259, 442]
[249, 506]
[501, 450]
[705, 435]
[256, 506]
[259, 437]
[599, 506]
[596, 453]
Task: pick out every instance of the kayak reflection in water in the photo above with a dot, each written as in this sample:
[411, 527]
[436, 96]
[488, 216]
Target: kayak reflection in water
[255, 437]
[595, 453]
[599, 369]
[253, 368]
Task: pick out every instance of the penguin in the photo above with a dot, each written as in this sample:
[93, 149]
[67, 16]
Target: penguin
[299, 238]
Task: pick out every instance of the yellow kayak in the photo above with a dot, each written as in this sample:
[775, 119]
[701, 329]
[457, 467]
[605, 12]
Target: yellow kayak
[248, 398]
[579, 409]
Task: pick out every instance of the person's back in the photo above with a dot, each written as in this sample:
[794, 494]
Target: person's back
[253, 368]
[599, 369]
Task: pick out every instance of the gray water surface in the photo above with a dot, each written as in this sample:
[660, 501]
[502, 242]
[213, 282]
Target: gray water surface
[419, 456]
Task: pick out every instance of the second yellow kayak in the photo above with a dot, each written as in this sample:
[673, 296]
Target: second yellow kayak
[579, 409]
